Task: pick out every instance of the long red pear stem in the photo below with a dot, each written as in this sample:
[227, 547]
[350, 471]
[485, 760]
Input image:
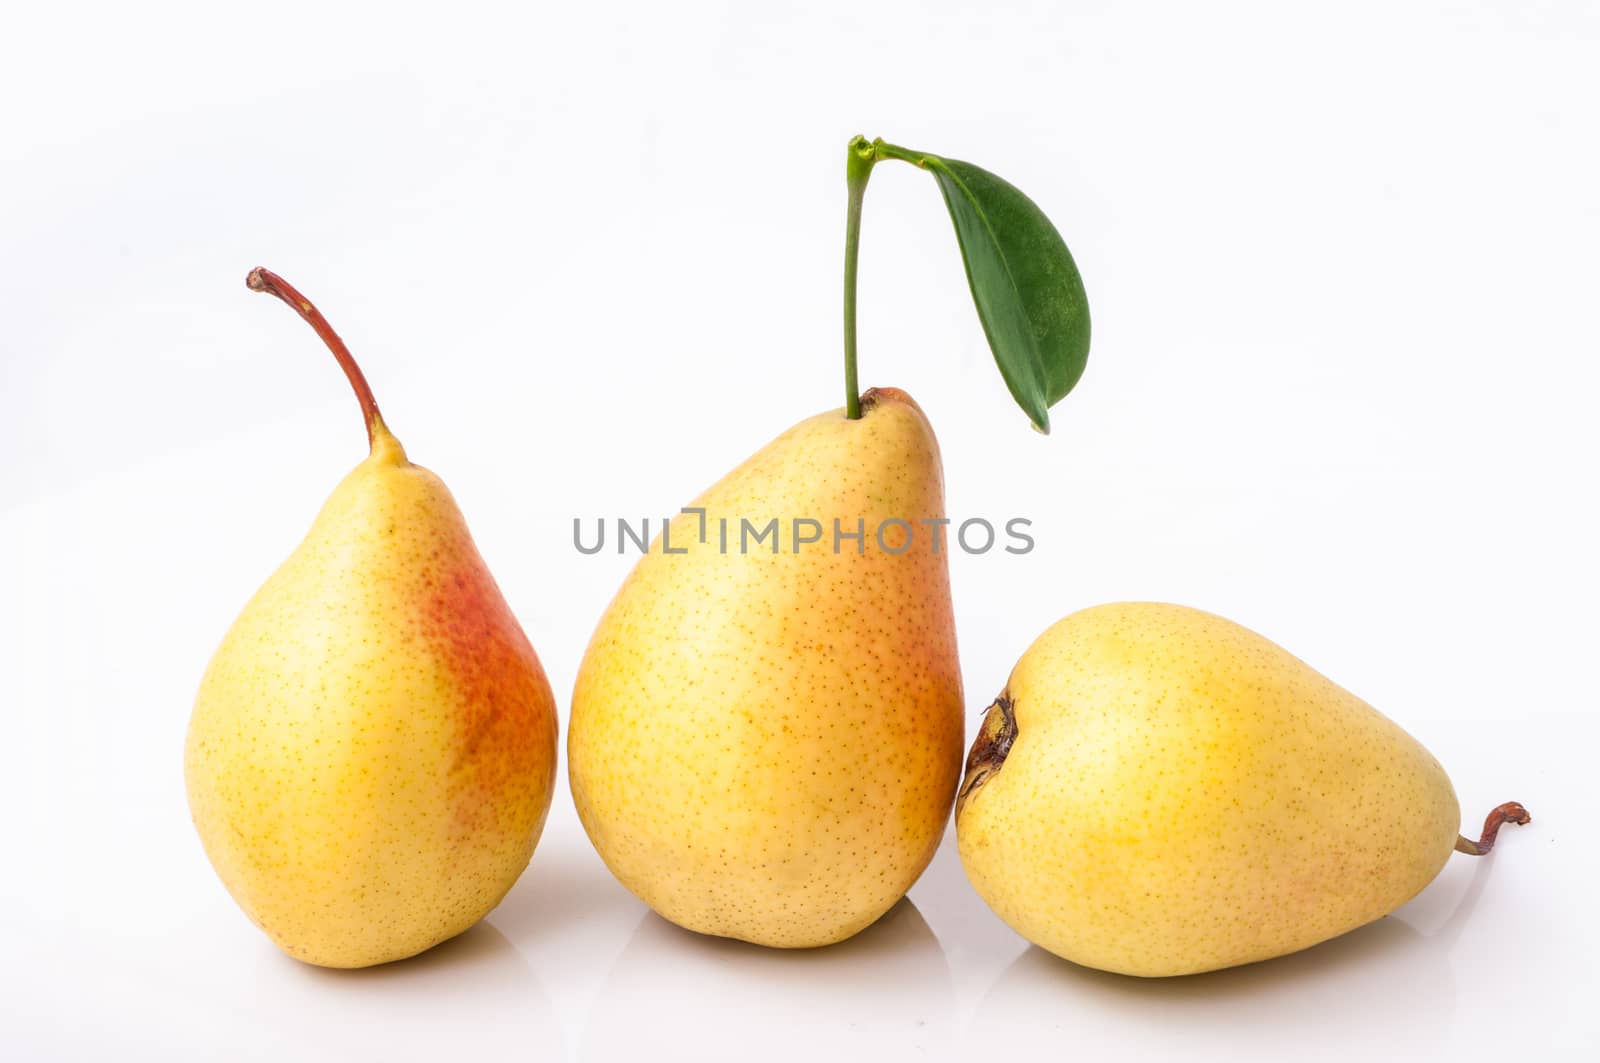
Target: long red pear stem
[1510, 812]
[264, 280]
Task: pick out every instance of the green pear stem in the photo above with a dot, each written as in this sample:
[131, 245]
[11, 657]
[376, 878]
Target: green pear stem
[1510, 812]
[858, 168]
[264, 280]
[861, 155]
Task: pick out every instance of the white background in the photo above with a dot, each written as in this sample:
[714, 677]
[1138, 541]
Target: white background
[1343, 269]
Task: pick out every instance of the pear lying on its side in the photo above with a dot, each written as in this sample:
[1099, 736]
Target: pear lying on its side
[766, 738]
[1159, 791]
[372, 751]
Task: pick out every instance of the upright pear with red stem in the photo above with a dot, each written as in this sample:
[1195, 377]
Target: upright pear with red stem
[372, 751]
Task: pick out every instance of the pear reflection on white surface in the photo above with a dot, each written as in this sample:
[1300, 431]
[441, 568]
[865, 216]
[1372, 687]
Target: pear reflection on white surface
[1385, 988]
[472, 994]
[884, 994]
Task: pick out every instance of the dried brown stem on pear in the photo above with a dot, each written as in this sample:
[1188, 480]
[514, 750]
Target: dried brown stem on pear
[1510, 812]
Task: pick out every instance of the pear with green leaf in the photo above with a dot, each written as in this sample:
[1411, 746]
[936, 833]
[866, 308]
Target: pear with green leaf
[766, 729]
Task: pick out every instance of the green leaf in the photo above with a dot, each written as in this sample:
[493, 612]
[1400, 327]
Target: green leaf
[1030, 297]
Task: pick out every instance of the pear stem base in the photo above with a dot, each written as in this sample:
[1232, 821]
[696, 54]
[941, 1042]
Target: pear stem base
[1510, 812]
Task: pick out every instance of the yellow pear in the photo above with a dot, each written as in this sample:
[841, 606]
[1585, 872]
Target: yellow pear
[1159, 791]
[766, 736]
[372, 751]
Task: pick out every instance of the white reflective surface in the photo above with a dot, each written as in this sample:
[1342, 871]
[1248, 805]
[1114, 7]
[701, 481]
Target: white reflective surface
[142, 953]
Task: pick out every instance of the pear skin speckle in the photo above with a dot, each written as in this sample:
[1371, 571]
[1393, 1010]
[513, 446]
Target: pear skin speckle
[372, 751]
[766, 746]
[1182, 795]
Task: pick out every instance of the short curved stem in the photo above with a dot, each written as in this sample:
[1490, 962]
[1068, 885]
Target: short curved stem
[1510, 812]
[884, 150]
[264, 280]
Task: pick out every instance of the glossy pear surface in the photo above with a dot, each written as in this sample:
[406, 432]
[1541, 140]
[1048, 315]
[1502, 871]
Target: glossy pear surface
[372, 750]
[1160, 791]
[763, 745]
